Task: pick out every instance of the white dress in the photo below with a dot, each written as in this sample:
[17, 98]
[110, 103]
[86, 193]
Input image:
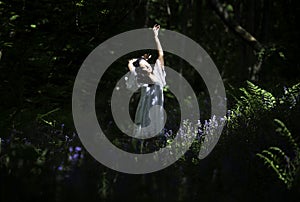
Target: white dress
[151, 95]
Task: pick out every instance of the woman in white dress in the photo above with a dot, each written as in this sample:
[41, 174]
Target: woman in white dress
[151, 81]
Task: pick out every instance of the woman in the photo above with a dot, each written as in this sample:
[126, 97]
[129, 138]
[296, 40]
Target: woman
[149, 122]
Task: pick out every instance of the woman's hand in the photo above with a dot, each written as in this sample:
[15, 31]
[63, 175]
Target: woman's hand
[130, 64]
[131, 61]
[156, 28]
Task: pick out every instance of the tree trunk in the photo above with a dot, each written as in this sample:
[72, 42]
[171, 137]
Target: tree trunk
[241, 33]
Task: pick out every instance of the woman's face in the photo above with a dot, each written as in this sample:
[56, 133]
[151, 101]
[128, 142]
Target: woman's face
[145, 66]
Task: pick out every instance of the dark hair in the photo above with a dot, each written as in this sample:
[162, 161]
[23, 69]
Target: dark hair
[142, 75]
[137, 62]
[144, 57]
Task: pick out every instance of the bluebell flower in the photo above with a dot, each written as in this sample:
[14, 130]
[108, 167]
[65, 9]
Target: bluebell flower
[77, 149]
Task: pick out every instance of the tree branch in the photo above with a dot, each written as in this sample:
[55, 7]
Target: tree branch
[235, 27]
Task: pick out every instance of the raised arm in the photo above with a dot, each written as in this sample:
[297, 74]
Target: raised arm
[130, 65]
[158, 45]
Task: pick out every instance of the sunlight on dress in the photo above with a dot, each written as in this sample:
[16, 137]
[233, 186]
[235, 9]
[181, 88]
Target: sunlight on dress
[149, 117]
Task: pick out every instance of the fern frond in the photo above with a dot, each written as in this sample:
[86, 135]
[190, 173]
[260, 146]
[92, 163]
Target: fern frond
[262, 96]
[284, 131]
[284, 166]
[275, 167]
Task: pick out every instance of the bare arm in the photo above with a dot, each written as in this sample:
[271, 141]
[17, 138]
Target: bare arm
[158, 45]
[130, 65]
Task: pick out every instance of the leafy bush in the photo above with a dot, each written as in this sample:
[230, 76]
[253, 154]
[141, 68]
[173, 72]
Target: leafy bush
[250, 123]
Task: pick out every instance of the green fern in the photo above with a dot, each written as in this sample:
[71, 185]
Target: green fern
[285, 167]
[251, 104]
[255, 101]
[282, 129]
[271, 160]
[262, 96]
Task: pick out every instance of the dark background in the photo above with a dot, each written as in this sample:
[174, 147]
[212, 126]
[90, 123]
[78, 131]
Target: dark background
[253, 43]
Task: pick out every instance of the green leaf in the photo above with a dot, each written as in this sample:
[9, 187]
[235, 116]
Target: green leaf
[14, 17]
[229, 8]
[8, 44]
[281, 55]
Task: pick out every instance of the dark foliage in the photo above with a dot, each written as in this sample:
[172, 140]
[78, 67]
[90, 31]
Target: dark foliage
[255, 47]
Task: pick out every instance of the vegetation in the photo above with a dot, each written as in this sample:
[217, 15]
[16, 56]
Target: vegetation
[254, 44]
